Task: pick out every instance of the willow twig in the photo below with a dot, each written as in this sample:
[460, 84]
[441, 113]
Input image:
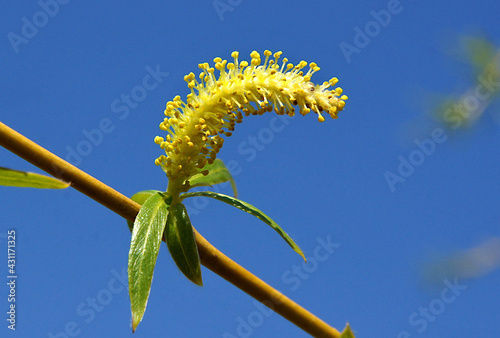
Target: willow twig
[210, 256]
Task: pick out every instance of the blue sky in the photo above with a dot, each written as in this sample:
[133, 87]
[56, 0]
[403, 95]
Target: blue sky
[86, 67]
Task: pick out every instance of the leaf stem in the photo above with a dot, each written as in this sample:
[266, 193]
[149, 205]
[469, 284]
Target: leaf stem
[210, 257]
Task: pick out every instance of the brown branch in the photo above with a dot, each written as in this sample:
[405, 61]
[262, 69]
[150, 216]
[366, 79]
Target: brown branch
[212, 258]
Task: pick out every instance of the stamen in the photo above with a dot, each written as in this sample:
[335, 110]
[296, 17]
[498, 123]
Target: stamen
[216, 103]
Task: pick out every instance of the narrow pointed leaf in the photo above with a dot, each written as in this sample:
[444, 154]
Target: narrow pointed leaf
[182, 244]
[140, 197]
[16, 178]
[144, 246]
[251, 210]
[217, 173]
[347, 333]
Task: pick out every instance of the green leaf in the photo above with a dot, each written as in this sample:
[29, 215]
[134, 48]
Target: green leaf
[182, 244]
[251, 210]
[347, 333]
[480, 51]
[15, 178]
[217, 173]
[140, 197]
[146, 238]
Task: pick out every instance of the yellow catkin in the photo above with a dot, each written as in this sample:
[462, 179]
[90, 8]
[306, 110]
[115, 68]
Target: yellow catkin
[215, 105]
